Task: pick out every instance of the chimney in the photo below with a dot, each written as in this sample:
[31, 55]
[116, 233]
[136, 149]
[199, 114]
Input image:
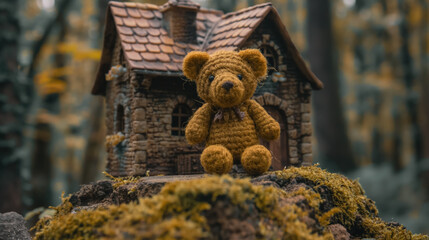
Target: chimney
[179, 19]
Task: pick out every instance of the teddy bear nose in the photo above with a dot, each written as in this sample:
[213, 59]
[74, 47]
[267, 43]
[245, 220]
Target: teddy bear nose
[227, 85]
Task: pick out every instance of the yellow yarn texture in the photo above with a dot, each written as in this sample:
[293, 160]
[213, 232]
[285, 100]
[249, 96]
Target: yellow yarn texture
[230, 122]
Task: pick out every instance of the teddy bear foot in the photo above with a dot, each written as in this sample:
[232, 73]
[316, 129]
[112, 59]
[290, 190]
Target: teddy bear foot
[216, 159]
[256, 159]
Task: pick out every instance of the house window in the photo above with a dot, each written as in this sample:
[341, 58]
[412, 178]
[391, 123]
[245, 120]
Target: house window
[120, 121]
[180, 116]
[271, 57]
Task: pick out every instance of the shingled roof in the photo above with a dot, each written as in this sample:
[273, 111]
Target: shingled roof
[234, 28]
[149, 49]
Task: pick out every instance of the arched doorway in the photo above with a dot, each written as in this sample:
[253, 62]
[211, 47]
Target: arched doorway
[279, 148]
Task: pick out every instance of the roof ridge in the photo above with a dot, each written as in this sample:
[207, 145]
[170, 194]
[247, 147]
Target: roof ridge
[147, 6]
[243, 10]
[144, 6]
[210, 10]
[209, 34]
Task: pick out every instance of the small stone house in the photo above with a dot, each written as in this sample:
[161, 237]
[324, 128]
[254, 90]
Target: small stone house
[149, 101]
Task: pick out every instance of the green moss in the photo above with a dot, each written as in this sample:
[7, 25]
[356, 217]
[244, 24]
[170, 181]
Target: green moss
[351, 208]
[119, 181]
[181, 210]
[178, 212]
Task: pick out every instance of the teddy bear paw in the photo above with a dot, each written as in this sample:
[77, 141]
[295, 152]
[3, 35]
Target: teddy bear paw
[195, 135]
[256, 159]
[216, 159]
[271, 131]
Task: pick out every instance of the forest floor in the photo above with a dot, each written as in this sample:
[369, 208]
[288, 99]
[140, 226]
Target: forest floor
[296, 203]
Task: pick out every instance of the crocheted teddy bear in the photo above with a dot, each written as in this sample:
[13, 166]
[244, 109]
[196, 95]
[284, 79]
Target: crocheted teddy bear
[230, 122]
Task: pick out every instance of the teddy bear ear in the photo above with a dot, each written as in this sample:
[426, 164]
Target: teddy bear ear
[193, 62]
[256, 60]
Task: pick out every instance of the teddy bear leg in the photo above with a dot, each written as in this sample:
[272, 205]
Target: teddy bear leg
[256, 159]
[216, 159]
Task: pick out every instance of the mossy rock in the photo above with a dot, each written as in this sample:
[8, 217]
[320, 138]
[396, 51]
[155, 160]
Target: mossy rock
[296, 203]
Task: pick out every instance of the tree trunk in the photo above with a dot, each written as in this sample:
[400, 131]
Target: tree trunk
[42, 175]
[334, 147]
[13, 106]
[423, 106]
[94, 147]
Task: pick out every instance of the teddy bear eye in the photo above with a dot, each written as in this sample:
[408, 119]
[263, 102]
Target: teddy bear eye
[211, 78]
[239, 76]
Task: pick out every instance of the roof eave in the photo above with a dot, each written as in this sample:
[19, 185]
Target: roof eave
[158, 73]
[109, 38]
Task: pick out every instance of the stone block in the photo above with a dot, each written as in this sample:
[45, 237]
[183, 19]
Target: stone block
[140, 145]
[306, 139]
[276, 100]
[294, 161]
[305, 107]
[307, 159]
[291, 119]
[306, 117]
[292, 143]
[140, 102]
[306, 129]
[167, 119]
[139, 114]
[283, 105]
[140, 157]
[293, 134]
[140, 126]
[306, 148]
[260, 100]
[139, 170]
[293, 152]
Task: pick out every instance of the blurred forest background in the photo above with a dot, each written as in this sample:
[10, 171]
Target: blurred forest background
[371, 121]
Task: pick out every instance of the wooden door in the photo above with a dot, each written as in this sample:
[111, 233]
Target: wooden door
[279, 147]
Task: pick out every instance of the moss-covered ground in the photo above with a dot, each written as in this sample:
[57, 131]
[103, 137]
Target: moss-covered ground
[296, 203]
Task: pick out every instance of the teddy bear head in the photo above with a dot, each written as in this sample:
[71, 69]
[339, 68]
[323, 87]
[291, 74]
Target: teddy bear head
[225, 78]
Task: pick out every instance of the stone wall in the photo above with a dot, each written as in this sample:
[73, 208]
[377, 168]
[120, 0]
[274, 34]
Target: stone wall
[155, 149]
[118, 93]
[292, 95]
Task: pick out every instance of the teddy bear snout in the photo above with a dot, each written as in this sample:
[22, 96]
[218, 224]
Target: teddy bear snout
[227, 85]
[226, 90]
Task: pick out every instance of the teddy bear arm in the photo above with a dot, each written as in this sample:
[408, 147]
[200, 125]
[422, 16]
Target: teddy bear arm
[197, 129]
[266, 127]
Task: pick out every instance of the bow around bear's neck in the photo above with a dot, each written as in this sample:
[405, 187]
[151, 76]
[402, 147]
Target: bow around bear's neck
[224, 113]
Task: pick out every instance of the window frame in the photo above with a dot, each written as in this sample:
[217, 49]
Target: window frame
[182, 118]
[269, 52]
